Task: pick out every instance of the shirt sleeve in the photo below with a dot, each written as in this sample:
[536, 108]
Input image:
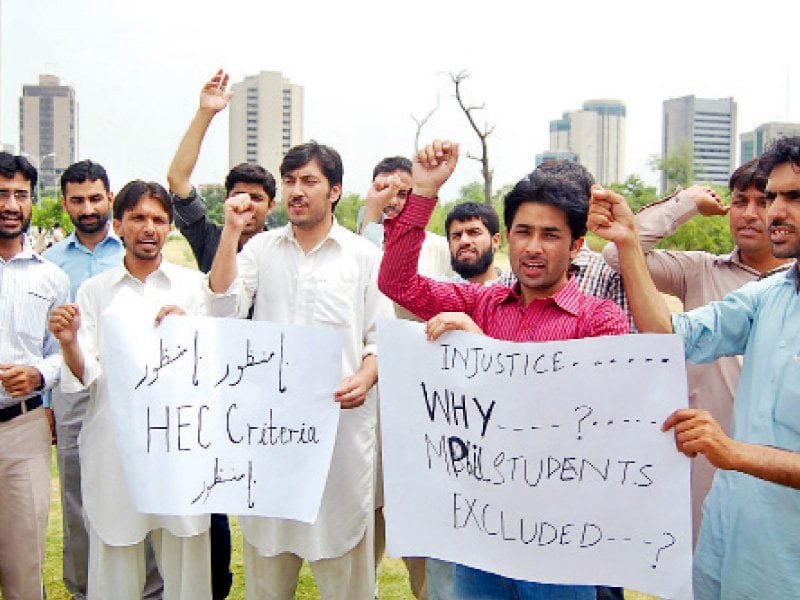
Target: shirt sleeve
[719, 328]
[670, 270]
[88, 342]
[191, 218]
[398, 277]
[50, 364]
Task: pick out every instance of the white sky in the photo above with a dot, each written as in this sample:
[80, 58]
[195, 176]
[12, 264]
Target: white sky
[137, 67]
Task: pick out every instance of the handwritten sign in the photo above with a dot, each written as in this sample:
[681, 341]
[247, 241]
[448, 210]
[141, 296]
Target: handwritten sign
[223, 415]
[541, 462]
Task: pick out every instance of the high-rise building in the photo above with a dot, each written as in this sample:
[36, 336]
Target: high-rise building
[594, 136]
[266, 120]
[708, 125]
[753, 143]
[48, 127]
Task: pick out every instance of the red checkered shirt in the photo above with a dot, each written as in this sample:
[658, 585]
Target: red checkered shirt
[498, 310]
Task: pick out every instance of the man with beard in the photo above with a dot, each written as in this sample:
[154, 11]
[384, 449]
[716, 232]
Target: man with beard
[90, 249]
[30, 287]
[746, 546]
[697, 278]
[314, 272]
[117, 531]
[473, 234]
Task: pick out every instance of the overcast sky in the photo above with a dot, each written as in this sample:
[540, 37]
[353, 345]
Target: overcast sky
[137, 68]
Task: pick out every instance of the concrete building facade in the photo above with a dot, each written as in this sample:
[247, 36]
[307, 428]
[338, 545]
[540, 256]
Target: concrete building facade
[595, 136]
[48, 127]
[708, 125]
[753, 143]
[265, 120]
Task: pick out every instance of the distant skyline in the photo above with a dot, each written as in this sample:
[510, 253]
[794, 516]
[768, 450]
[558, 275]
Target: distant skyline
[137, 69]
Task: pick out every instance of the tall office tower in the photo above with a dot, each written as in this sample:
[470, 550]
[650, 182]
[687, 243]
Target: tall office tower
[709, 127]
[48, 127]
[753, 143]
[595, 136]
[266, 119]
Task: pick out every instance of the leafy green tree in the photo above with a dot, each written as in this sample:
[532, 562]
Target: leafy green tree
[636, 192]
[347, 210]
[678, 166]
[48, 212]
[214, 195]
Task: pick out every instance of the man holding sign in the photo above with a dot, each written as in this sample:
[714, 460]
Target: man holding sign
[545, 223]
[314, 272]
[142, 219]
[747, 545]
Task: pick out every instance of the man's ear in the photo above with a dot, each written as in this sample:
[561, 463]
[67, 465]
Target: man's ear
[335, 193]
[577, 244]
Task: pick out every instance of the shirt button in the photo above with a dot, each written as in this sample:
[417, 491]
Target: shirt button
[782, 344]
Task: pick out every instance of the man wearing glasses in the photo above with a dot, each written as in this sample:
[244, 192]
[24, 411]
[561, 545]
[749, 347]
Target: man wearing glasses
[30, 361]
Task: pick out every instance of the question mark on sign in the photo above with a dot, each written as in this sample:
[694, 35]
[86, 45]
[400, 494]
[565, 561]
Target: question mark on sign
[658, 552]
[586, 416]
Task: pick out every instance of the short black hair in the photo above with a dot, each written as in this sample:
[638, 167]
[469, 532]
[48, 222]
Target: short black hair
[84, 170]
[557, 191]
[10, 165]
[250, 173]
[328, 159]
[137, 189]
[783, 150]
[466, 211]
[748, 175]
[390, 164]
[567, 169]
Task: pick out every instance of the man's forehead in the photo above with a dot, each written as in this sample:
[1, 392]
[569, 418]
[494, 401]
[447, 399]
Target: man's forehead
[784, 177]
[468, 224]
[87, 185]
[149, 206]
[312, 168]
[18, 181]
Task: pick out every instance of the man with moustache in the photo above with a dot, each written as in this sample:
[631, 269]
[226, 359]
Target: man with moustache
[90, 249]
[697, 278]
[746, 547]
[117, 531]
[314, 272]
[545, 224]
[473, 235]
[30, 287]
[391, 185]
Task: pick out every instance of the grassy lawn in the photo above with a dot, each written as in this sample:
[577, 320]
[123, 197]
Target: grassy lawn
[392, 580]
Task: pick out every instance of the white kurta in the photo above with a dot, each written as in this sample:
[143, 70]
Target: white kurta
[106, 498]
[335, 286]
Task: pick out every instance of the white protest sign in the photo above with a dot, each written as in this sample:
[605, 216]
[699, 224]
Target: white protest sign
[223, 415]
[541, 461]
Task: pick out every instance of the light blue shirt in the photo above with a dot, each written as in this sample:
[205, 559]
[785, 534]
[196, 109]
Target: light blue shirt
[80, 263]
[749, 544]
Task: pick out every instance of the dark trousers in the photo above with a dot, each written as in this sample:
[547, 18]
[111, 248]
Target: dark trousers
[221, 576]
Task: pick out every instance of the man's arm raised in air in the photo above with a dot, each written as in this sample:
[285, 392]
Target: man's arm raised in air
[238, 211]
[611, 218]
[214, 97]
[398, 278]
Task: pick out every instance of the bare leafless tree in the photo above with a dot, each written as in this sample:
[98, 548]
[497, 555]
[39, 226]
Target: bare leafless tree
[421, 123]
[468, 109]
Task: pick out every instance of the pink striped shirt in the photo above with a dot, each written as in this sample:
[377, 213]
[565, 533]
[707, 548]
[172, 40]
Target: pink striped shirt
[497, 309]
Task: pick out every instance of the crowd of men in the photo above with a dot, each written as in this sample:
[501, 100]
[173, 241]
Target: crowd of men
[742, 424]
